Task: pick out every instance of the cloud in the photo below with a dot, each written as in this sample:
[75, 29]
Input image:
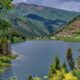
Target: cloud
[51, 3]
[68, 0]
[71, 6]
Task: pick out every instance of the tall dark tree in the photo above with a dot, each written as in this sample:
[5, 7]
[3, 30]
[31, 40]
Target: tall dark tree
[4, 45]
[57, 63]
[70, 58]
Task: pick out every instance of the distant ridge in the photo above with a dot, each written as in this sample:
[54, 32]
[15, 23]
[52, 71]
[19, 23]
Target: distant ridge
[21, 20]
[37, 5]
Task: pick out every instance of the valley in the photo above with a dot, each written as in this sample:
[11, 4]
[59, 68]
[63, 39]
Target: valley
[38, 42]
[46, 21]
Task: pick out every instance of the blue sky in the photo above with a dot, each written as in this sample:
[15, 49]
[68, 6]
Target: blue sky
[71, 5]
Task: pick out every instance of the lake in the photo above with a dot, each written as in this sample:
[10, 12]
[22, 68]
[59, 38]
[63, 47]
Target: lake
[36, 56]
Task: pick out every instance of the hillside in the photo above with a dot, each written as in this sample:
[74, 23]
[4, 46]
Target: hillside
[7, 30]
[33, 20]
[71, 29]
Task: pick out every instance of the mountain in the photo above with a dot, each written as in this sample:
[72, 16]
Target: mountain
[34, 20]
[71, 29]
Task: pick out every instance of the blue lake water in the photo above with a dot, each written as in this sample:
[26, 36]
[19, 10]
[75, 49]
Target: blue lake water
[35, 57]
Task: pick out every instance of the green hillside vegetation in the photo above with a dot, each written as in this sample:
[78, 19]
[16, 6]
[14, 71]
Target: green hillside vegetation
[31, 27]
[23, 9]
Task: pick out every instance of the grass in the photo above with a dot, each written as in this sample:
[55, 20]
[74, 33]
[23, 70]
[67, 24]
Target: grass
[71, 40]
[68, 39]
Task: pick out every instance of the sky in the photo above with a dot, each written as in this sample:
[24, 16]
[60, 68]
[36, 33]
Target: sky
[71, 5]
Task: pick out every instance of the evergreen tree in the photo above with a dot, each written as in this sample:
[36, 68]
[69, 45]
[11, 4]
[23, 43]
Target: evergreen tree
[55, 66]
[4, 45]
[57, 63]
[70, 58]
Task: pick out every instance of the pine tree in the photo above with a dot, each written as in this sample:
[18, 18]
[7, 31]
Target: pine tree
[70, 58]
[57, 63]
[4, 45]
